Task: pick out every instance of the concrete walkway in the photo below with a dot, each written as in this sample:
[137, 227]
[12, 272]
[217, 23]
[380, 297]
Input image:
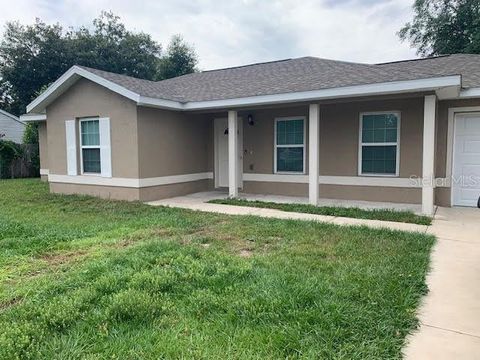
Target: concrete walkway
[450, 313]
[199, 201]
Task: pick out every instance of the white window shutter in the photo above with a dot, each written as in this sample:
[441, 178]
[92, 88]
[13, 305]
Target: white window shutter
[105, 147]
[71, 142]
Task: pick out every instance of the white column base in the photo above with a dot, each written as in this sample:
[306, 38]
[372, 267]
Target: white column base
[428, 200]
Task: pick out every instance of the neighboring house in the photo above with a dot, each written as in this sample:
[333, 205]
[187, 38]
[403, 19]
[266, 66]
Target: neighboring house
[11, 127]
[394, 132]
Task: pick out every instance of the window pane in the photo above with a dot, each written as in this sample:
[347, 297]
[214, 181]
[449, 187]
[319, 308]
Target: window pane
[379, 135]
[281, 132]
[290, 138]
[290, 126]
[391, 135]
[368, 122]
[378, 128]
[379, 159]
[290, 132]
[89, 133]
[91, 160]
[290, 159]
[367, 136]
[298, 128]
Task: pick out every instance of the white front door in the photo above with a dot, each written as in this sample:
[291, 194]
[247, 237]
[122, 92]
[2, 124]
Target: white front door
[466, 160]
[221, 152]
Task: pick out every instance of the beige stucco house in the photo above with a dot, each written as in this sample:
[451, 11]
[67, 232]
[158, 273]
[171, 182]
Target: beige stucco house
[405, 132]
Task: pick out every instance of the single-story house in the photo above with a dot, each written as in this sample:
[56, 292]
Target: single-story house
[11, 127]
[404, 132]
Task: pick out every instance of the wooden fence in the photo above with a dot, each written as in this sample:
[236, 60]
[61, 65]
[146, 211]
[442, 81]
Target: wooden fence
[27, 165]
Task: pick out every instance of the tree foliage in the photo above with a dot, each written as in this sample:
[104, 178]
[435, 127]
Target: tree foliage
[9, 150]
[180, 59]
[444, 27]
[33, 56]
[30, 135]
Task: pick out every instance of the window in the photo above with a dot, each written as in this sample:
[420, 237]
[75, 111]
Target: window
[90, 146]
[290, 145]
[379, 143]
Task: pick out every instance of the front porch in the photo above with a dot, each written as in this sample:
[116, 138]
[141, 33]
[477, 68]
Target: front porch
[328, 162]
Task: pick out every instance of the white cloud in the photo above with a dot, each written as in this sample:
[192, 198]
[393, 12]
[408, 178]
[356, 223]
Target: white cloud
[237, 32]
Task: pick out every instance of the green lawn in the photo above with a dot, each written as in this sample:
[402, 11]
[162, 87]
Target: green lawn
[350, 212]
[84, 278]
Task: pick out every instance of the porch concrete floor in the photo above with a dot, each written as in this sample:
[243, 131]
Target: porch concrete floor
[199, 201]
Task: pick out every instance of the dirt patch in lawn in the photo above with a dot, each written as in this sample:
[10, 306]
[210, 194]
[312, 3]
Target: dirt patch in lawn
[9, 303]
[246, 253]
[64, 257]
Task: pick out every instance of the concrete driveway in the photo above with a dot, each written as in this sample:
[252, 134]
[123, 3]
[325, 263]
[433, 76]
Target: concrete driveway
[450, 313]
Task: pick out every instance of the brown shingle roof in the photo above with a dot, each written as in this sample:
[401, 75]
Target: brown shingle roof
[296, 75]
[467, 65]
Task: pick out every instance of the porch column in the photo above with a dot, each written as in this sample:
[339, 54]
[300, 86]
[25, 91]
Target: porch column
[428, 173]
[232, 154]
[313, 153]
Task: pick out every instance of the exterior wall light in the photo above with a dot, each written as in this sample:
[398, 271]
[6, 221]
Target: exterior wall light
[250, 120]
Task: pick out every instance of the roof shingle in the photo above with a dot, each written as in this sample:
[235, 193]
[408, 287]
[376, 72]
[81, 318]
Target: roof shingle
[295, 75]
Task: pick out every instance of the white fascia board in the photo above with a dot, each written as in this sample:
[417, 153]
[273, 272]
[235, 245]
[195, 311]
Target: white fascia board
[160, 103]
[70, 77]
[470, 93]
[33, 117]
[449, 92]
[393, 87]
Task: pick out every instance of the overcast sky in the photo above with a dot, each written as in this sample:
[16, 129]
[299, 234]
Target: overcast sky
[236, 32]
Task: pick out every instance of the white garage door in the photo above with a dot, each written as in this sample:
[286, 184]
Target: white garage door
[466, 160]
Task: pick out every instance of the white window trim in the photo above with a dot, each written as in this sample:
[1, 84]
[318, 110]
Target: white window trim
[275, 146]
[361, 143]
[88, 146]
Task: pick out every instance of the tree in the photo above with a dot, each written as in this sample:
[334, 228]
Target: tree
[33, 56]
[112, 47]
[444, 27]
[30, 56]
[181, 59]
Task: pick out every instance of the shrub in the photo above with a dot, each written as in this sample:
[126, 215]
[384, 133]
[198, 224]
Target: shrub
[9, 151]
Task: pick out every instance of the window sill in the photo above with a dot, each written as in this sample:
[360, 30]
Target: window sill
[379, 175]
[289, 173]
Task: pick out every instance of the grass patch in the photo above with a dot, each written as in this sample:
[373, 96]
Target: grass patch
[350, 212]
[87, 278]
